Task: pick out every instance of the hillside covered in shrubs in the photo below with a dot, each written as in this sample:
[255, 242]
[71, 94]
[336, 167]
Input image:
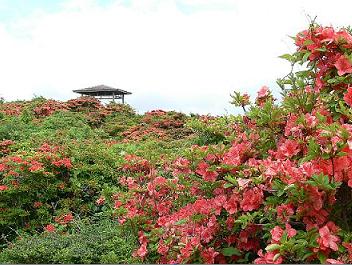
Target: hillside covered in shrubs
[83, 182]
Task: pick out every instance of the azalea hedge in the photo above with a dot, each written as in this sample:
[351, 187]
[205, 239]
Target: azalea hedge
[270, 186]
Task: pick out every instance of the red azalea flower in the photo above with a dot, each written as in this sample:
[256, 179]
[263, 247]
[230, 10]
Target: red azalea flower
[117, 204]
[288, 149]
[35, 166]
[209, 255]
[65, 162]
[291, 232]
[343, 65]
[267, 258]
[16, 159]
[230, 221]
[316, 197]
[3, 187]
[182, 166]
[205, 173]
[207, 234]
[348, 97]
[50, 228]
[231, 205]
[311, 120]
[327, 239]
[64, 219]
[276, 233]
[37, 204]
[163, 208]
[186, 251]
[121, 221]
[348, 246]
[162, 248]
[68, 218]
[141, 252]
[252, 199]
[45, 148]
[100, 201]
[327, 34]
[284, 211]
[236, 152]
[263, 92]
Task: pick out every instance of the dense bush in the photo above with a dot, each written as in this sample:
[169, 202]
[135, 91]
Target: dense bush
[32, 184]
[102, 242]
[212, 130]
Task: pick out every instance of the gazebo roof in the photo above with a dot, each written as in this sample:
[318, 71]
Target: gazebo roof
[102, 89]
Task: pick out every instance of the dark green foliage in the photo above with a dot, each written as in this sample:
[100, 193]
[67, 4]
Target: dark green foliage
[102, 242]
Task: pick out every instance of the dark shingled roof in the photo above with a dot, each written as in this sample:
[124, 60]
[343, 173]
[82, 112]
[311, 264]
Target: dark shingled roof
[102, 89]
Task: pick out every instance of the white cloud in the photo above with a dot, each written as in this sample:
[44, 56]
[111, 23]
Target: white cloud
[167, 57]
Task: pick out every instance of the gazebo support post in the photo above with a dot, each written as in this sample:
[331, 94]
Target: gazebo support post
[123, 99]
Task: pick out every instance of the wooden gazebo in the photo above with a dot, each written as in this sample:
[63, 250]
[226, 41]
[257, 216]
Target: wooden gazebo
[103, 92]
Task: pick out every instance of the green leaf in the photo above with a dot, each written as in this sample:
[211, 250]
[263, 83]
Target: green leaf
[307, 255]
[228, 185]
[308, 42]
[230, 251]
[321, 181]
[181, 222]
[305, 56]
[231, 179]
[272, 247]
[321, 257]
[321, 49]
[331, 81]
[300, 83]
[340, 154]
[287, 57]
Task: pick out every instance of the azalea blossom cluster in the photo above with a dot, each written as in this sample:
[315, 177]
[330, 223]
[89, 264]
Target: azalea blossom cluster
[5, 146]
[330, 50]
[93, 109]
[158, 124]
[29, 181]
[276, 192]
[49, 107]
[12, 108]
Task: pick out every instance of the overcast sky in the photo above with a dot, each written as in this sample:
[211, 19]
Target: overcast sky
[183, 55]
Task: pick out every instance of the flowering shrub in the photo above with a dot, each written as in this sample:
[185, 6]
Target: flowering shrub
[211, 130]
[5, 147]
[32, 184]
[158, 124]
[11, 108]
[278, 192]
[48, 107]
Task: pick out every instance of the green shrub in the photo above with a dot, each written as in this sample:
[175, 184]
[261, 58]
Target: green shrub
[15, 128]
[153, 149]
[63, 127]
[211, 130]
[102, 242]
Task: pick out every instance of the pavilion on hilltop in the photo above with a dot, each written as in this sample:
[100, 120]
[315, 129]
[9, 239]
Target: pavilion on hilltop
[103, 92]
